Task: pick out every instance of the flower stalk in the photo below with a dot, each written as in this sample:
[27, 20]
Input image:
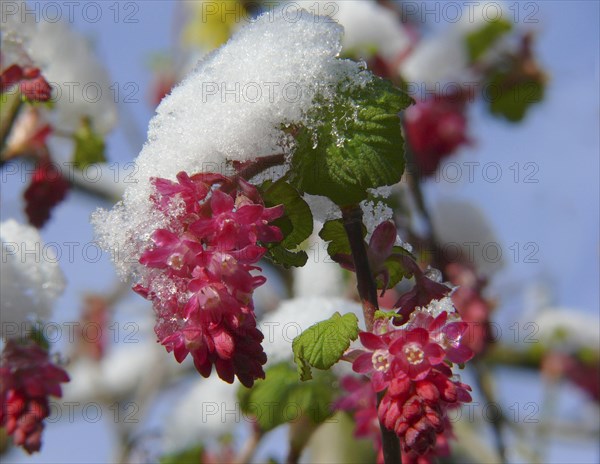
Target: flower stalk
[367, 291]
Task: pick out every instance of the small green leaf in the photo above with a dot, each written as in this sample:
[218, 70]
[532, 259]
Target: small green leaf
[480, 41]
[333, 232]
[355, 143]
[296, 224]
[286, 258]
[394, 266]
[38, 337]
[188, 456]
[514, 96]
[323, 344]
[89, 146]
[282, 398]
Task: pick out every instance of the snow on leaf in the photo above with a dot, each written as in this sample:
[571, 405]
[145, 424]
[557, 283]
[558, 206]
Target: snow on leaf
[356, 143]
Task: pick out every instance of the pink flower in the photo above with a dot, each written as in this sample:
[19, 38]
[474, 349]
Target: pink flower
[473, 308]
[360, 399]
[200, 272]
[47, 189]
[416, 354]
[415, 410]
[435, 128]
[447, 333]
[409, 364]
[27, 378]
[30, 80]
[377, 361]
[424, 292]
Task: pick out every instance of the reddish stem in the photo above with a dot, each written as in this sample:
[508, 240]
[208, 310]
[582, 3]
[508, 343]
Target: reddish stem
[367, 291]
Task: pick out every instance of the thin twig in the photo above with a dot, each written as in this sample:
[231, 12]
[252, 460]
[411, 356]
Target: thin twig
[485, 383]
[247, 452]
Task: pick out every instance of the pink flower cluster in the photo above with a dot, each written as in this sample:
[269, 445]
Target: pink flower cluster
[47, 189]
[411, 365]
[472, 306]
[199, 272]
[435, 128]
[27, 378]
[30, 81]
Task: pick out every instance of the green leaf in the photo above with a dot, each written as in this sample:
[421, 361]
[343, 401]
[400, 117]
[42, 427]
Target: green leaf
[89, 146]
[189, 456]
[282, 398]
[323, 344]
[480, 41]
[333, 232]
[354, 143]
[38, 337]
[296, 224]
[514, 96]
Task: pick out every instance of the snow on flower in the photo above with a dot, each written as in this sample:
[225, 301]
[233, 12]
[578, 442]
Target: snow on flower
[198, 272]
[231, 108]
[30, 281]
[443, 58]
[194, 242]
[368, 26]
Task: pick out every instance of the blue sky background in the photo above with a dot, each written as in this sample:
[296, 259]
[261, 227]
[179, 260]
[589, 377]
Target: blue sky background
[560, 213]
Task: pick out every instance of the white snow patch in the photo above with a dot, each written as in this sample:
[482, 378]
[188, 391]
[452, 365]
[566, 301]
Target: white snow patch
[30, 280]
[232, 107]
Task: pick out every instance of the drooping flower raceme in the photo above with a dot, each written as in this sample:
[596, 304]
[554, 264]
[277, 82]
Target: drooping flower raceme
[199, 272]
[411, 365]
[27, 379]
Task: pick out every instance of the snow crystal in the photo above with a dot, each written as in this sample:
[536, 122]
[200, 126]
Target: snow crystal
[30, 281]
[374, 213]
[437, 307]
[323, 208]
[234, 106]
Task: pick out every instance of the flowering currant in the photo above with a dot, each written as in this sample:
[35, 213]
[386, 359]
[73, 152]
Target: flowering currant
[410, 365]
[27, 378]
[199, 272]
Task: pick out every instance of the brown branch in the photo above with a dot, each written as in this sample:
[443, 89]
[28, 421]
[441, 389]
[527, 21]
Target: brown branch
[367, 291]
[250, 169]
[249, 448]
